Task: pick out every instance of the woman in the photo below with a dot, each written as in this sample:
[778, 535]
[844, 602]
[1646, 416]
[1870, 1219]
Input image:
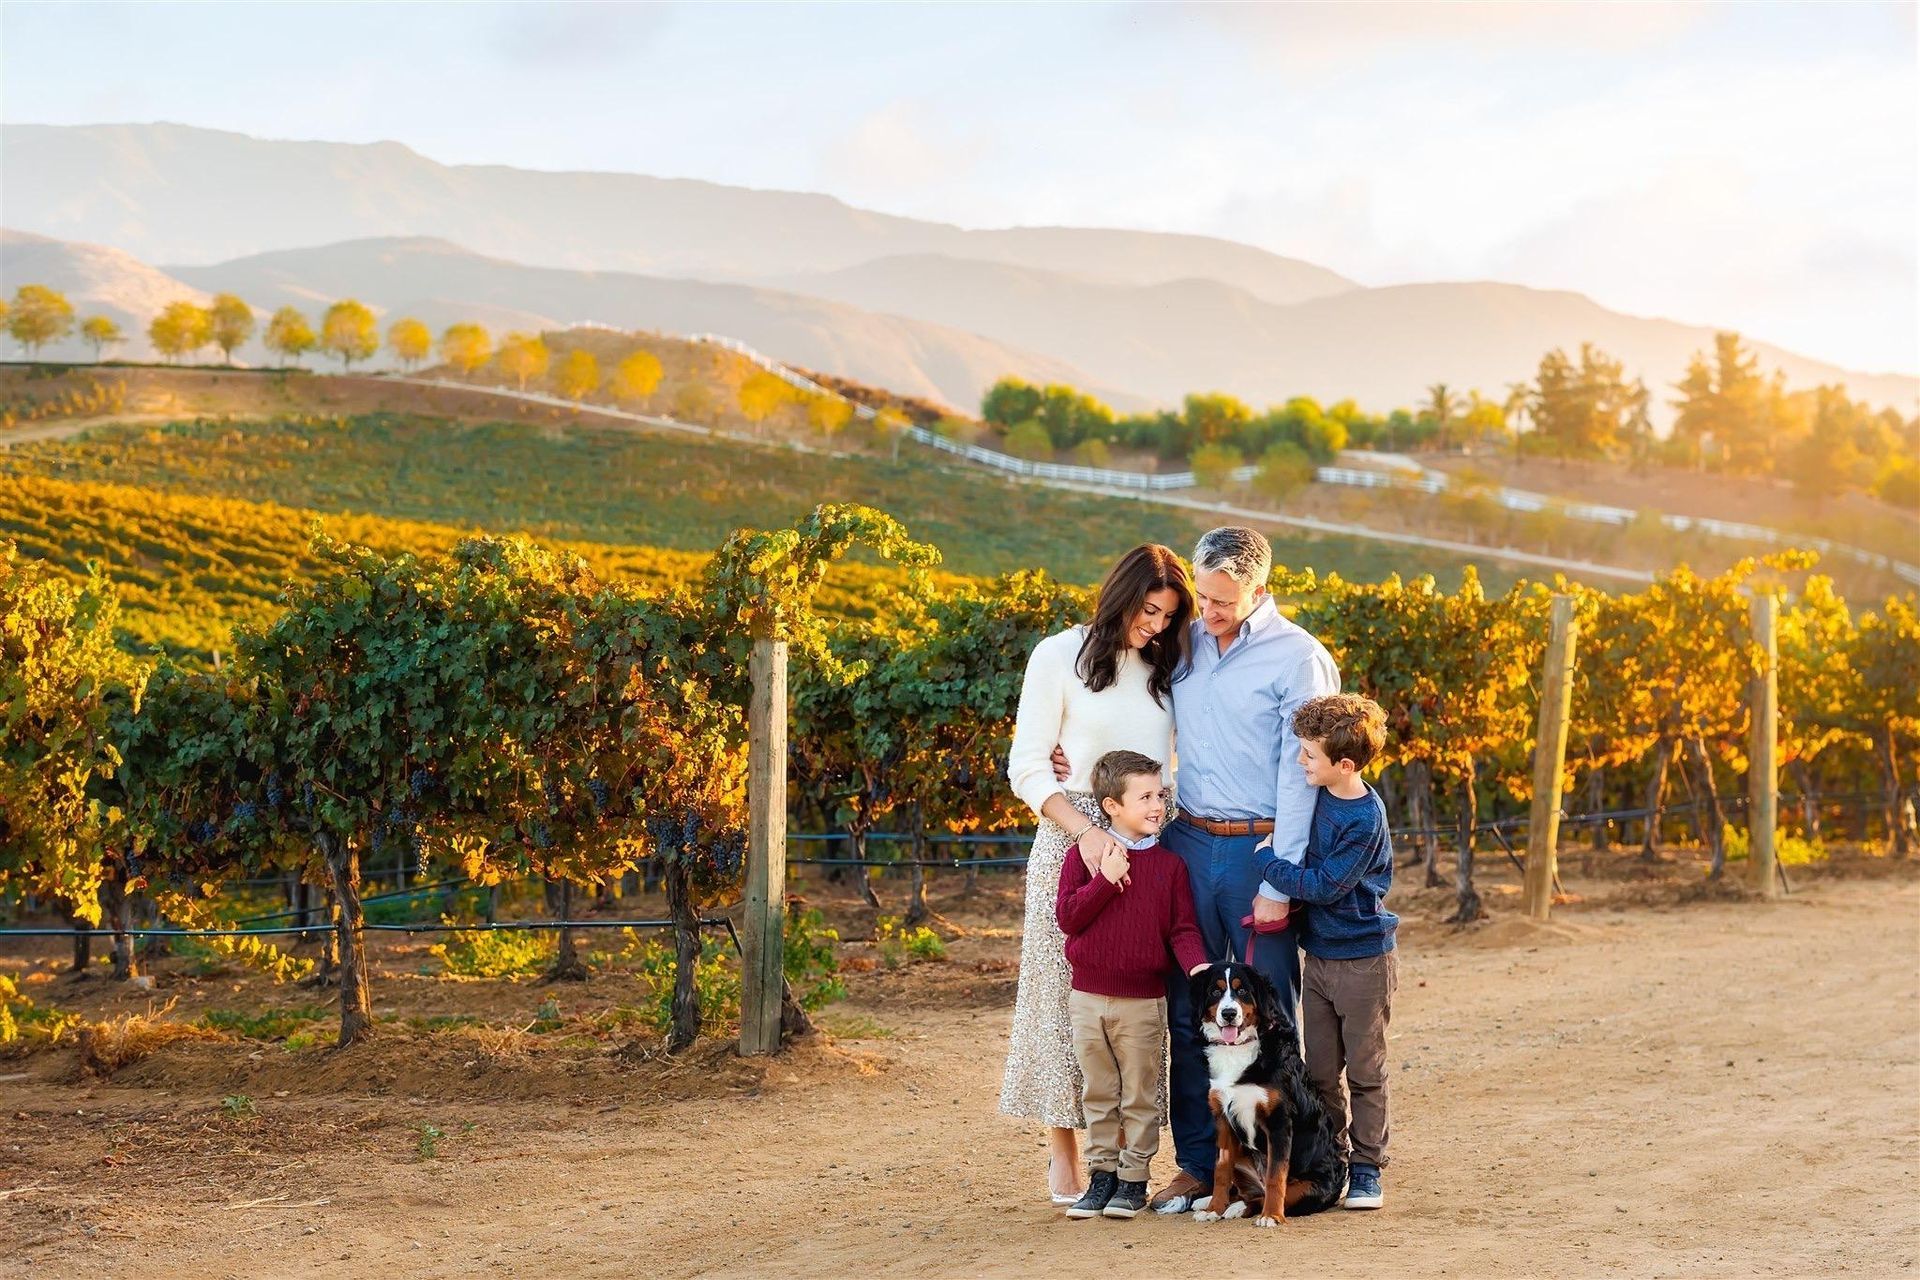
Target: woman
[1102, 686]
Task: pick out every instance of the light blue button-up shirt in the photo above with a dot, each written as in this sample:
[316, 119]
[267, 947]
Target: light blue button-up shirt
[1233, 724]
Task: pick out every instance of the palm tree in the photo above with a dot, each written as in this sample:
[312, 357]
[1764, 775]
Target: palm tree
[1443, 406]
[1518, 407]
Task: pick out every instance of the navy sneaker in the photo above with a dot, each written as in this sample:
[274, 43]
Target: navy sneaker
[1363, 1187]
[1129, 1198]
[1099, 1192]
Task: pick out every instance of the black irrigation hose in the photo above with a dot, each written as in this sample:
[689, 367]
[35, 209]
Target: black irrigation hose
[372, 897]
[521, 925]
[956, 864]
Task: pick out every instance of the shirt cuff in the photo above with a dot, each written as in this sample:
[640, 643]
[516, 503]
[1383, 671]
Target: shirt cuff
[1270, 893]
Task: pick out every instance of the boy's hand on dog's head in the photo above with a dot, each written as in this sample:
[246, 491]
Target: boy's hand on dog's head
[1115, 865]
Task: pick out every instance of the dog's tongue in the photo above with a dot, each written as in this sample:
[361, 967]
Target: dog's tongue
[1230, 1035]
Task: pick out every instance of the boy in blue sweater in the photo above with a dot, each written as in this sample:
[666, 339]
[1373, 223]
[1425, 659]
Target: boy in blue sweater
[1348, 977]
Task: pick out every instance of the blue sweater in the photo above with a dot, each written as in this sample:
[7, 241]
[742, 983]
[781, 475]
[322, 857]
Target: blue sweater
[1344, 879]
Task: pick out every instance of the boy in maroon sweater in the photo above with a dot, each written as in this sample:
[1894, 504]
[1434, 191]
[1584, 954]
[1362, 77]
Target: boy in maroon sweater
[1125, 926]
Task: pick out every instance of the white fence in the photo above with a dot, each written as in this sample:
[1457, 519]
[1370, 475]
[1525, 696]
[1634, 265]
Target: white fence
[1407, 475]
[791, 377]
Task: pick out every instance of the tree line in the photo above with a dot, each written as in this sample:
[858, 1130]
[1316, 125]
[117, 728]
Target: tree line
[1731, 418]
[502, 711]
[348, 331]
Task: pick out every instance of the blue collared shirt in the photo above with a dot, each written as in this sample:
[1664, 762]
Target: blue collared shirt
[1233, 724]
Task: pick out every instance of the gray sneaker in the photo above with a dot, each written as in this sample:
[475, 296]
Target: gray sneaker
[1099, 1192]
[1128, 1199]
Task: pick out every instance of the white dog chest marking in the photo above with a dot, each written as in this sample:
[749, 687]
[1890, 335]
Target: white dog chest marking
[1226, 1063]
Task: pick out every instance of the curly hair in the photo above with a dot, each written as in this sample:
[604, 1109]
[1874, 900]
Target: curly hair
[1346, 725]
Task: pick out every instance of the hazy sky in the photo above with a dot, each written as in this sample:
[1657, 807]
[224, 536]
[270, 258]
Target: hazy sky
[1736, 164]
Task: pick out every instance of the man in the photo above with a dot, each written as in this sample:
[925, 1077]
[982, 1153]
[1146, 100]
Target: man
[1239, 786]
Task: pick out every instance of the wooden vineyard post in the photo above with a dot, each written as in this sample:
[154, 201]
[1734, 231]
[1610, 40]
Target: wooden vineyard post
[1550, 760]
[1763, 772]
[764, 945]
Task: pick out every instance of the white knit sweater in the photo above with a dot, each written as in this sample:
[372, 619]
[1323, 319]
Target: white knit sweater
[1057, 707]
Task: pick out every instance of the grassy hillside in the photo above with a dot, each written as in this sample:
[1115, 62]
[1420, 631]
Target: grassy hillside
[189, 568]
[625, 487]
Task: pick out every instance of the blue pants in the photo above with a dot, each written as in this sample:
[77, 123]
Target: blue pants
[1221, 872]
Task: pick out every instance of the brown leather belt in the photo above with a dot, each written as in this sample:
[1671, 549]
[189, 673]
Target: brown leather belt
[1230, 826]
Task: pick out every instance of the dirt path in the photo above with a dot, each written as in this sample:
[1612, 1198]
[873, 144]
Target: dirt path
[66, 428]
[1714, 1090]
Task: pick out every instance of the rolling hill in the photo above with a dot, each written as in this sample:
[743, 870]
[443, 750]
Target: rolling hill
[162, 191]
[925, 308]
[1382, 347]
[97, 280]
[440, 283]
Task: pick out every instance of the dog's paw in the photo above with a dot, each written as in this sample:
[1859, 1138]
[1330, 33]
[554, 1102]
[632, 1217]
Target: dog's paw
[1205, 1215]
[1238, 1209]
[1264, 1221]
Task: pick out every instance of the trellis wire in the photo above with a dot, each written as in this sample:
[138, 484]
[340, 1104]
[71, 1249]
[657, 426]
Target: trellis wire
[713, 922]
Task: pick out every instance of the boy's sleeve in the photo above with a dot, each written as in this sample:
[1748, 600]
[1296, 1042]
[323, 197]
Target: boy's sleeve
[1293, 797]
[1189, 948]
[1334, 875]
[1082, 894]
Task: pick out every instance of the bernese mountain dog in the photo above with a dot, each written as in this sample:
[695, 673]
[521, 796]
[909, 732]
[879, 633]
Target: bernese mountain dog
[1270, 1124]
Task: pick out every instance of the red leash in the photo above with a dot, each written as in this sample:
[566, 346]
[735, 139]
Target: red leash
[1254, 930]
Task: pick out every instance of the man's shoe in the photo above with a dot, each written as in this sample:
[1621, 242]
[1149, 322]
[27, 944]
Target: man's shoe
[1181, 1194]
[1099, 1192]
[1129, 1198]
[1363, 1187]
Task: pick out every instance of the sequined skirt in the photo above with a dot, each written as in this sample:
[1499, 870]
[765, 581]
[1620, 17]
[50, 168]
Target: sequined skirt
[1042, 1081]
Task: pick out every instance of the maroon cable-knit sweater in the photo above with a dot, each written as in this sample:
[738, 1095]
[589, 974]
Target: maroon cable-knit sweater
[1118, 942]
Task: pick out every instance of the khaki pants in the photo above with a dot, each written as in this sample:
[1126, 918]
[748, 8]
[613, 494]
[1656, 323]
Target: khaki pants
[1117, 1041]
[1345, 1006]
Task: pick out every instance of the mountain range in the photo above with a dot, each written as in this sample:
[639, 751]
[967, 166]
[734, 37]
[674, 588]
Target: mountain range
[924, 307]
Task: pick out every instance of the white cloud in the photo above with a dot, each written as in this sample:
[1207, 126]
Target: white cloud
[902, 149]
[577, 35]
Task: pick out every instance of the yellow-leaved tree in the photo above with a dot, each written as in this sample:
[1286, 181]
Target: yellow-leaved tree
[466, 347]
[523, 356]
[410, 341]
[39, 315]
[229, 324]
[761, 396]
[636, 378]
[289, 335]
[348, 332]
[579, 375]
[180, 330]
[828, 414]
[100, 332]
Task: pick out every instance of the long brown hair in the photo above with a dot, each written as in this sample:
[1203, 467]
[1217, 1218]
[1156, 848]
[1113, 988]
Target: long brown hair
[1144, 570]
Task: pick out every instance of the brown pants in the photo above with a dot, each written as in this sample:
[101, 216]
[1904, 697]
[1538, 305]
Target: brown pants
[1117, 1041]
[1345, 1006]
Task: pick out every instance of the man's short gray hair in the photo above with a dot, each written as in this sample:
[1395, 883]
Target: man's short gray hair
[1241, 553]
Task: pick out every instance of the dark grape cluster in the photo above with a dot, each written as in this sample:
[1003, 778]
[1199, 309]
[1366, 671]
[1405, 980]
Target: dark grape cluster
[665, 833]
[276, 791]
[200, 831]
[420, 782]
[542, 836]
[245, 811]
[730, 855]
[598, 790]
